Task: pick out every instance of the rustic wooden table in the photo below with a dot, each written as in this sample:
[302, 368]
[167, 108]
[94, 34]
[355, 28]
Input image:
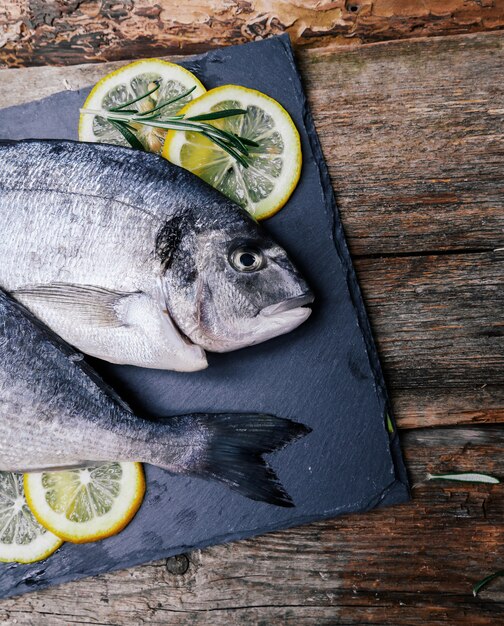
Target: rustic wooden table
[413, 132]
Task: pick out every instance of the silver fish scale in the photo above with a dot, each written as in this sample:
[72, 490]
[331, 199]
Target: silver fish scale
[88, 215]
[111, 172]
[91, 242]
[55, 411]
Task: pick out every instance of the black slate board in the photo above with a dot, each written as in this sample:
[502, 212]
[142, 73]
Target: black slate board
[325, 374]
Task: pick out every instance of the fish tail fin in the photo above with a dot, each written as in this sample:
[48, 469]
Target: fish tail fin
[231, 452]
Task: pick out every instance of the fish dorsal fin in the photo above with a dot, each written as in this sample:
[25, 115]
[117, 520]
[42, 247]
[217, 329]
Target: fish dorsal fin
[102, 322]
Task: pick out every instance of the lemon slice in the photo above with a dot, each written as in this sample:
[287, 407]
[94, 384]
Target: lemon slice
[87, 504]
[129, 82]
[274, 168]
[22, 538]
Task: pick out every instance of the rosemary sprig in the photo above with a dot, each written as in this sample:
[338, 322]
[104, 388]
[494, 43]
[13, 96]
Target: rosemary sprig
[128, 134]
[466, 477]
[216, 115]
[124, 119]
[249, 142]
[170, 101]
[484, 581]
[157, 85]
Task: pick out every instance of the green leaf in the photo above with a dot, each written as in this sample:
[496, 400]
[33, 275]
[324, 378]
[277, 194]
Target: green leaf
[390, 426]
[230, 138]
[248, 142]
[484, 581]
[126, 132]
[230, 150]
[170, 101]
[216, 115]
[467, 477]
[148, 93]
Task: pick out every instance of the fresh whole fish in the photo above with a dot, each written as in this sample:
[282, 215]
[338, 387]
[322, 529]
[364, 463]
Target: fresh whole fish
[134, 260]
[56, 412]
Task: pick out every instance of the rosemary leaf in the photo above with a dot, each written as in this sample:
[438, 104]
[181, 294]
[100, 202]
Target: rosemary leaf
[484, 581]
[390, 426]
[248, 142]
[170, 101]
[127, 125]
[229, 149]
[223, 134]
[216, 115]
[129, 102]
[130, 136]
[467, 477]
[243, 147]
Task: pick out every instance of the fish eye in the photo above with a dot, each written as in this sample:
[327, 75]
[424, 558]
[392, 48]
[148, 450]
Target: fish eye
[247, 259]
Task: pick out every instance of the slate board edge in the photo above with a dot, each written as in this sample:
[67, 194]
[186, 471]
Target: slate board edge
[30, 584]
[343, 252]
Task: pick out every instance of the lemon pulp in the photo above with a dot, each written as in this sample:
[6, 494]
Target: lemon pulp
[22, 538]
[274, 166]
[86, 504]
[132, 81]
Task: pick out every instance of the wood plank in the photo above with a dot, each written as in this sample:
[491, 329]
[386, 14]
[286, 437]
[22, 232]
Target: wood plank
[413, 134]
[422, 307]
[436, 406]
[439, 325]
[412, 564]
[36, 32]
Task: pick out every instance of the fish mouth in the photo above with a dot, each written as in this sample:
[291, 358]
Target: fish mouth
[289, 304]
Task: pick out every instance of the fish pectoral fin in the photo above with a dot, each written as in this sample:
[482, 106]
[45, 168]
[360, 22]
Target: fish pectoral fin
[170, 348]
[85, 304]
[134, 321]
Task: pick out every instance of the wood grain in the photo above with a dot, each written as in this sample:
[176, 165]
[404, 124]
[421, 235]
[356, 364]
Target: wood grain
[414, 564]
[413, 135]
[439, 324]
[62, 32]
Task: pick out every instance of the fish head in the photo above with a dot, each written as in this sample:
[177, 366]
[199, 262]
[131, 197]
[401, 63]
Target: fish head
[229, 285]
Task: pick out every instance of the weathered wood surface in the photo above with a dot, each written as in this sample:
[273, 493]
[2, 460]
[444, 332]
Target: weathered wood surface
[412, 132]
[61, 32]
[414, 564]
[438, 321]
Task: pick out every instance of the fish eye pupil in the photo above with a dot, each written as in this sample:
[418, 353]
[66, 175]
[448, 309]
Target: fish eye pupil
[246, 259]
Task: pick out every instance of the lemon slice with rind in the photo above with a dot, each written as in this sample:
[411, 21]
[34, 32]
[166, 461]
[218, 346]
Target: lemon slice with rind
[22, 538]
[130, 82]
[87, 504]
[274, 166]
